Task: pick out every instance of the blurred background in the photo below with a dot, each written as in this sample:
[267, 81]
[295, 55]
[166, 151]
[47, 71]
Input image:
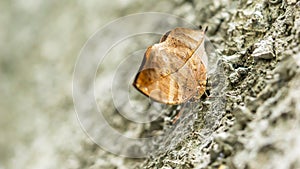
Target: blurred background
[40, 42]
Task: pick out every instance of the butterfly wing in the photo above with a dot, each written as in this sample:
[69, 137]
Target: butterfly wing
[172, 70]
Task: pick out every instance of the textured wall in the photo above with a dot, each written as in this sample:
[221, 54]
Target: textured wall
[258, 45]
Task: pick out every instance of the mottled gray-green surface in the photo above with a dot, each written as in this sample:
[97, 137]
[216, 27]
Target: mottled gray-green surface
[258, 43]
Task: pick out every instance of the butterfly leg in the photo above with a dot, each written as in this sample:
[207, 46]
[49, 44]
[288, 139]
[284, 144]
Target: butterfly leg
[175, 119]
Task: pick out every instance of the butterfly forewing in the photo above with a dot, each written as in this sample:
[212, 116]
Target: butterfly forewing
[172, 71]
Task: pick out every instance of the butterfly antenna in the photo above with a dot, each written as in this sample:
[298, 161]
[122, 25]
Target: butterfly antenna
[205, 29]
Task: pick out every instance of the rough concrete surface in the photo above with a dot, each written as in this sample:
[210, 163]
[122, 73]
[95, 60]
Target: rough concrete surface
[255, 125]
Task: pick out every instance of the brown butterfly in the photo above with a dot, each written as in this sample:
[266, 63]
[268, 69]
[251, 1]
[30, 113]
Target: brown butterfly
[172, 71]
